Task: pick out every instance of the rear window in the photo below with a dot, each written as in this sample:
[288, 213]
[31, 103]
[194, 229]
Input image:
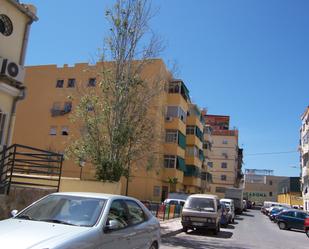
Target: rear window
[205, 204]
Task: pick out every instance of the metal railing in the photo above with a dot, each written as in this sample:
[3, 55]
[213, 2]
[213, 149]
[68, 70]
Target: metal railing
[26, 166]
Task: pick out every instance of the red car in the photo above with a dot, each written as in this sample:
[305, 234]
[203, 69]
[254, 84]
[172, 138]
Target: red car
[306, 226]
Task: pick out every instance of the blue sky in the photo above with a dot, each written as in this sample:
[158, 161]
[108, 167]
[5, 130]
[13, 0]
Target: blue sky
[246, 59]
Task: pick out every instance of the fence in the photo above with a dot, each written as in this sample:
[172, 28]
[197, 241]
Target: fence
[163, 211]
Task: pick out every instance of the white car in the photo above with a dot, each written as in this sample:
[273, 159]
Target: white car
[174, 202]
[230, 204]
[82, 220]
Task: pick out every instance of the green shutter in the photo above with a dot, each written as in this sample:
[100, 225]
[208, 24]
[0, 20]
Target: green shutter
[199, 133]
[185, 90]
[192, 171]
[181, 165]
[181, 140]
[201, 155]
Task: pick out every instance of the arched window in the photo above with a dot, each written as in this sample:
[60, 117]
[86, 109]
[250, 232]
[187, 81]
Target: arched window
[2, 126]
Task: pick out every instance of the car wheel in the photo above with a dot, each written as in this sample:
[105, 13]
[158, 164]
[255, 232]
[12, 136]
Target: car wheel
[282, 225]
[154, 245]
[307, 232]
[185, 229]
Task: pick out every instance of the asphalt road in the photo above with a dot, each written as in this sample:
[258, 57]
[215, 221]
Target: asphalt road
[251, 230]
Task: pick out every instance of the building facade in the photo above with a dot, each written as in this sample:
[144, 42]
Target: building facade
[43, 121]
[261, 185]
[289, 191]
[15, 22]
[304, 157]
[224, 160]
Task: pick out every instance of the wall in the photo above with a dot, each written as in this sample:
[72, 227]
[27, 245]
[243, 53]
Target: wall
[291, 198]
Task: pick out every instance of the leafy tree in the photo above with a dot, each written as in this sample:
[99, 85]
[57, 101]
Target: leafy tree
[116, 120]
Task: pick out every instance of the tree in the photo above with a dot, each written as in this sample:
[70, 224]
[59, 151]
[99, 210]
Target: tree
[116, 118]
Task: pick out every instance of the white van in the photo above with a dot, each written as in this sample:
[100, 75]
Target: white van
[201, 212]
[230, 204]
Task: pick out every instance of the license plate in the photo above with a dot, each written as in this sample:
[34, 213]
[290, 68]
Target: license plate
[197, 224]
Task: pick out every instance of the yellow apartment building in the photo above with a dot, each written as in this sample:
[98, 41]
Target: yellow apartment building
[43, 122]
[224, 159]
[15, 22]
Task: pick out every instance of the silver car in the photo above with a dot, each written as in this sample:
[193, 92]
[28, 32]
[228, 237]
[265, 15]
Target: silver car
[83, 221]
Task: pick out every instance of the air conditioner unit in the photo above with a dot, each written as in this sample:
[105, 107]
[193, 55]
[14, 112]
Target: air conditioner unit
[11, 70]
[169, 118]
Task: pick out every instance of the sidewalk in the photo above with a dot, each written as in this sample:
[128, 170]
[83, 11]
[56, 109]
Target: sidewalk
[170, 227]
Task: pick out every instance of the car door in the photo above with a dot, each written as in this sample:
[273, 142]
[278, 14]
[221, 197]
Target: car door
[120, 237]
[140, 229]
[289, 218]
[300, 220]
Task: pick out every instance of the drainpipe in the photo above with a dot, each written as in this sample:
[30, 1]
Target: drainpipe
[22, 89]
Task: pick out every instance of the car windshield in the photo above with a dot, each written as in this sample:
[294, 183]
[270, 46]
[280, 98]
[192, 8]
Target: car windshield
[62, 209]
[205, 204]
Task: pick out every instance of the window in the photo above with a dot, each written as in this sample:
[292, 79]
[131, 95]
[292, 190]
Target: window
[224, 141]
[270, 182]
[175, 112]
[223, 165]
[301, 215]
[171, 136]
[289, 213]
[118, 212]
[53, 131]
[270, 194]
[224, 154]
[210, 164]
[59, 83]
[223, 177]
[174, 87]
[64, 131]
[136, 213]
[67, 106]
[192, 151]
[169, 161]
[156, 191]
[57, 106]
[2, 126]
[92, 82]
[71, 83]
[190, 130]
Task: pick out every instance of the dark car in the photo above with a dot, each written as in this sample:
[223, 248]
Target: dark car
[275, 212]
[292, 219]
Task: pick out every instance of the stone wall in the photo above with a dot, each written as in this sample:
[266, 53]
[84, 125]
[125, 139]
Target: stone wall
[19, 198]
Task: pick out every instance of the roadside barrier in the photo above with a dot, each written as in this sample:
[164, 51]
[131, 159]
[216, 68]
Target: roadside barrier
[164, 212]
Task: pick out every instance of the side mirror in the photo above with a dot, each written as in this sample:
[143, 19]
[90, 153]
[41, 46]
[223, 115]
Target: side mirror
[112, 225]
[14, 212]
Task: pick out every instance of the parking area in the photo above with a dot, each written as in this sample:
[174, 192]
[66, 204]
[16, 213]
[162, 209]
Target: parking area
[252, 229]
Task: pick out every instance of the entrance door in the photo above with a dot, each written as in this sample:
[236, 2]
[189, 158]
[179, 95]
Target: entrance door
[164, 193]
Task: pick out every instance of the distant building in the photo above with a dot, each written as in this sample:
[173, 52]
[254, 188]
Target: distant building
[15, 22]
[304, 157]
[261, 185]
[289, 191]
[224, 161]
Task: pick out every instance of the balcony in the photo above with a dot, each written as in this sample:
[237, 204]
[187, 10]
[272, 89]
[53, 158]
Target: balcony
[58, 111]
[174, 149]
[175, 99]
[192, 160]
[194, 140]
[173, 173]
[192, 181]
[175, 123]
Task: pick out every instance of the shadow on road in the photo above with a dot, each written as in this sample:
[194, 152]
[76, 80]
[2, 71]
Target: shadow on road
[193, 242]
[246, 214]
[220, 235]
[229, 226]
[238, 218]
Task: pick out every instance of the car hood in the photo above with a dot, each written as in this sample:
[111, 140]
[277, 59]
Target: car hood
[26, 234]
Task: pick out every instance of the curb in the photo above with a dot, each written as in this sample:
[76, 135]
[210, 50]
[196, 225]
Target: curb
[172, 233]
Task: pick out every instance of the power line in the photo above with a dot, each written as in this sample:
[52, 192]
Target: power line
[272, 153]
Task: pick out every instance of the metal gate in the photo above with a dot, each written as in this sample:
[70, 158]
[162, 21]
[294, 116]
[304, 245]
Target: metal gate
[29, 167]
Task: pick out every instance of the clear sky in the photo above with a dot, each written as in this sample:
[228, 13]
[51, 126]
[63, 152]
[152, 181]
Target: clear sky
[245, 58]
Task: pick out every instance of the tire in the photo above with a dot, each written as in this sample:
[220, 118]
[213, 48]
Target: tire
[154, 245]
[307, 232]
[185, 229]
[282, 225]
[217, 230]
[233, 221]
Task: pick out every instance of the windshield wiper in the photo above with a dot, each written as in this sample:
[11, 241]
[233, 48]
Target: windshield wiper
[58, 221]
[24, 217]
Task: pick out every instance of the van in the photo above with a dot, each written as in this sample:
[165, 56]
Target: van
[231, 207]
[201, 211]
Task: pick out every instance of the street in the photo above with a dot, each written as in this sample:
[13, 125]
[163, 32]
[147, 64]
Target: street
[251, 230]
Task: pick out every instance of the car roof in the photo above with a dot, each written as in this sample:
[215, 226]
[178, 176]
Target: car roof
[225, 199]
[204, 196]
[93, 195]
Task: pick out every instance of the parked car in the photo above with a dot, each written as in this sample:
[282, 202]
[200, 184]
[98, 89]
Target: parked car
[201, 211]
[275, 211]
[292, 219]
[224, 220]
[81, 220]
[306, 226]
[174, 202]
[230, 205]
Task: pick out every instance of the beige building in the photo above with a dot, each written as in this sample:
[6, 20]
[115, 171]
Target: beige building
[304, 157]
[15, 21]
[224, 160]
[43, 122]
[262, 185]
